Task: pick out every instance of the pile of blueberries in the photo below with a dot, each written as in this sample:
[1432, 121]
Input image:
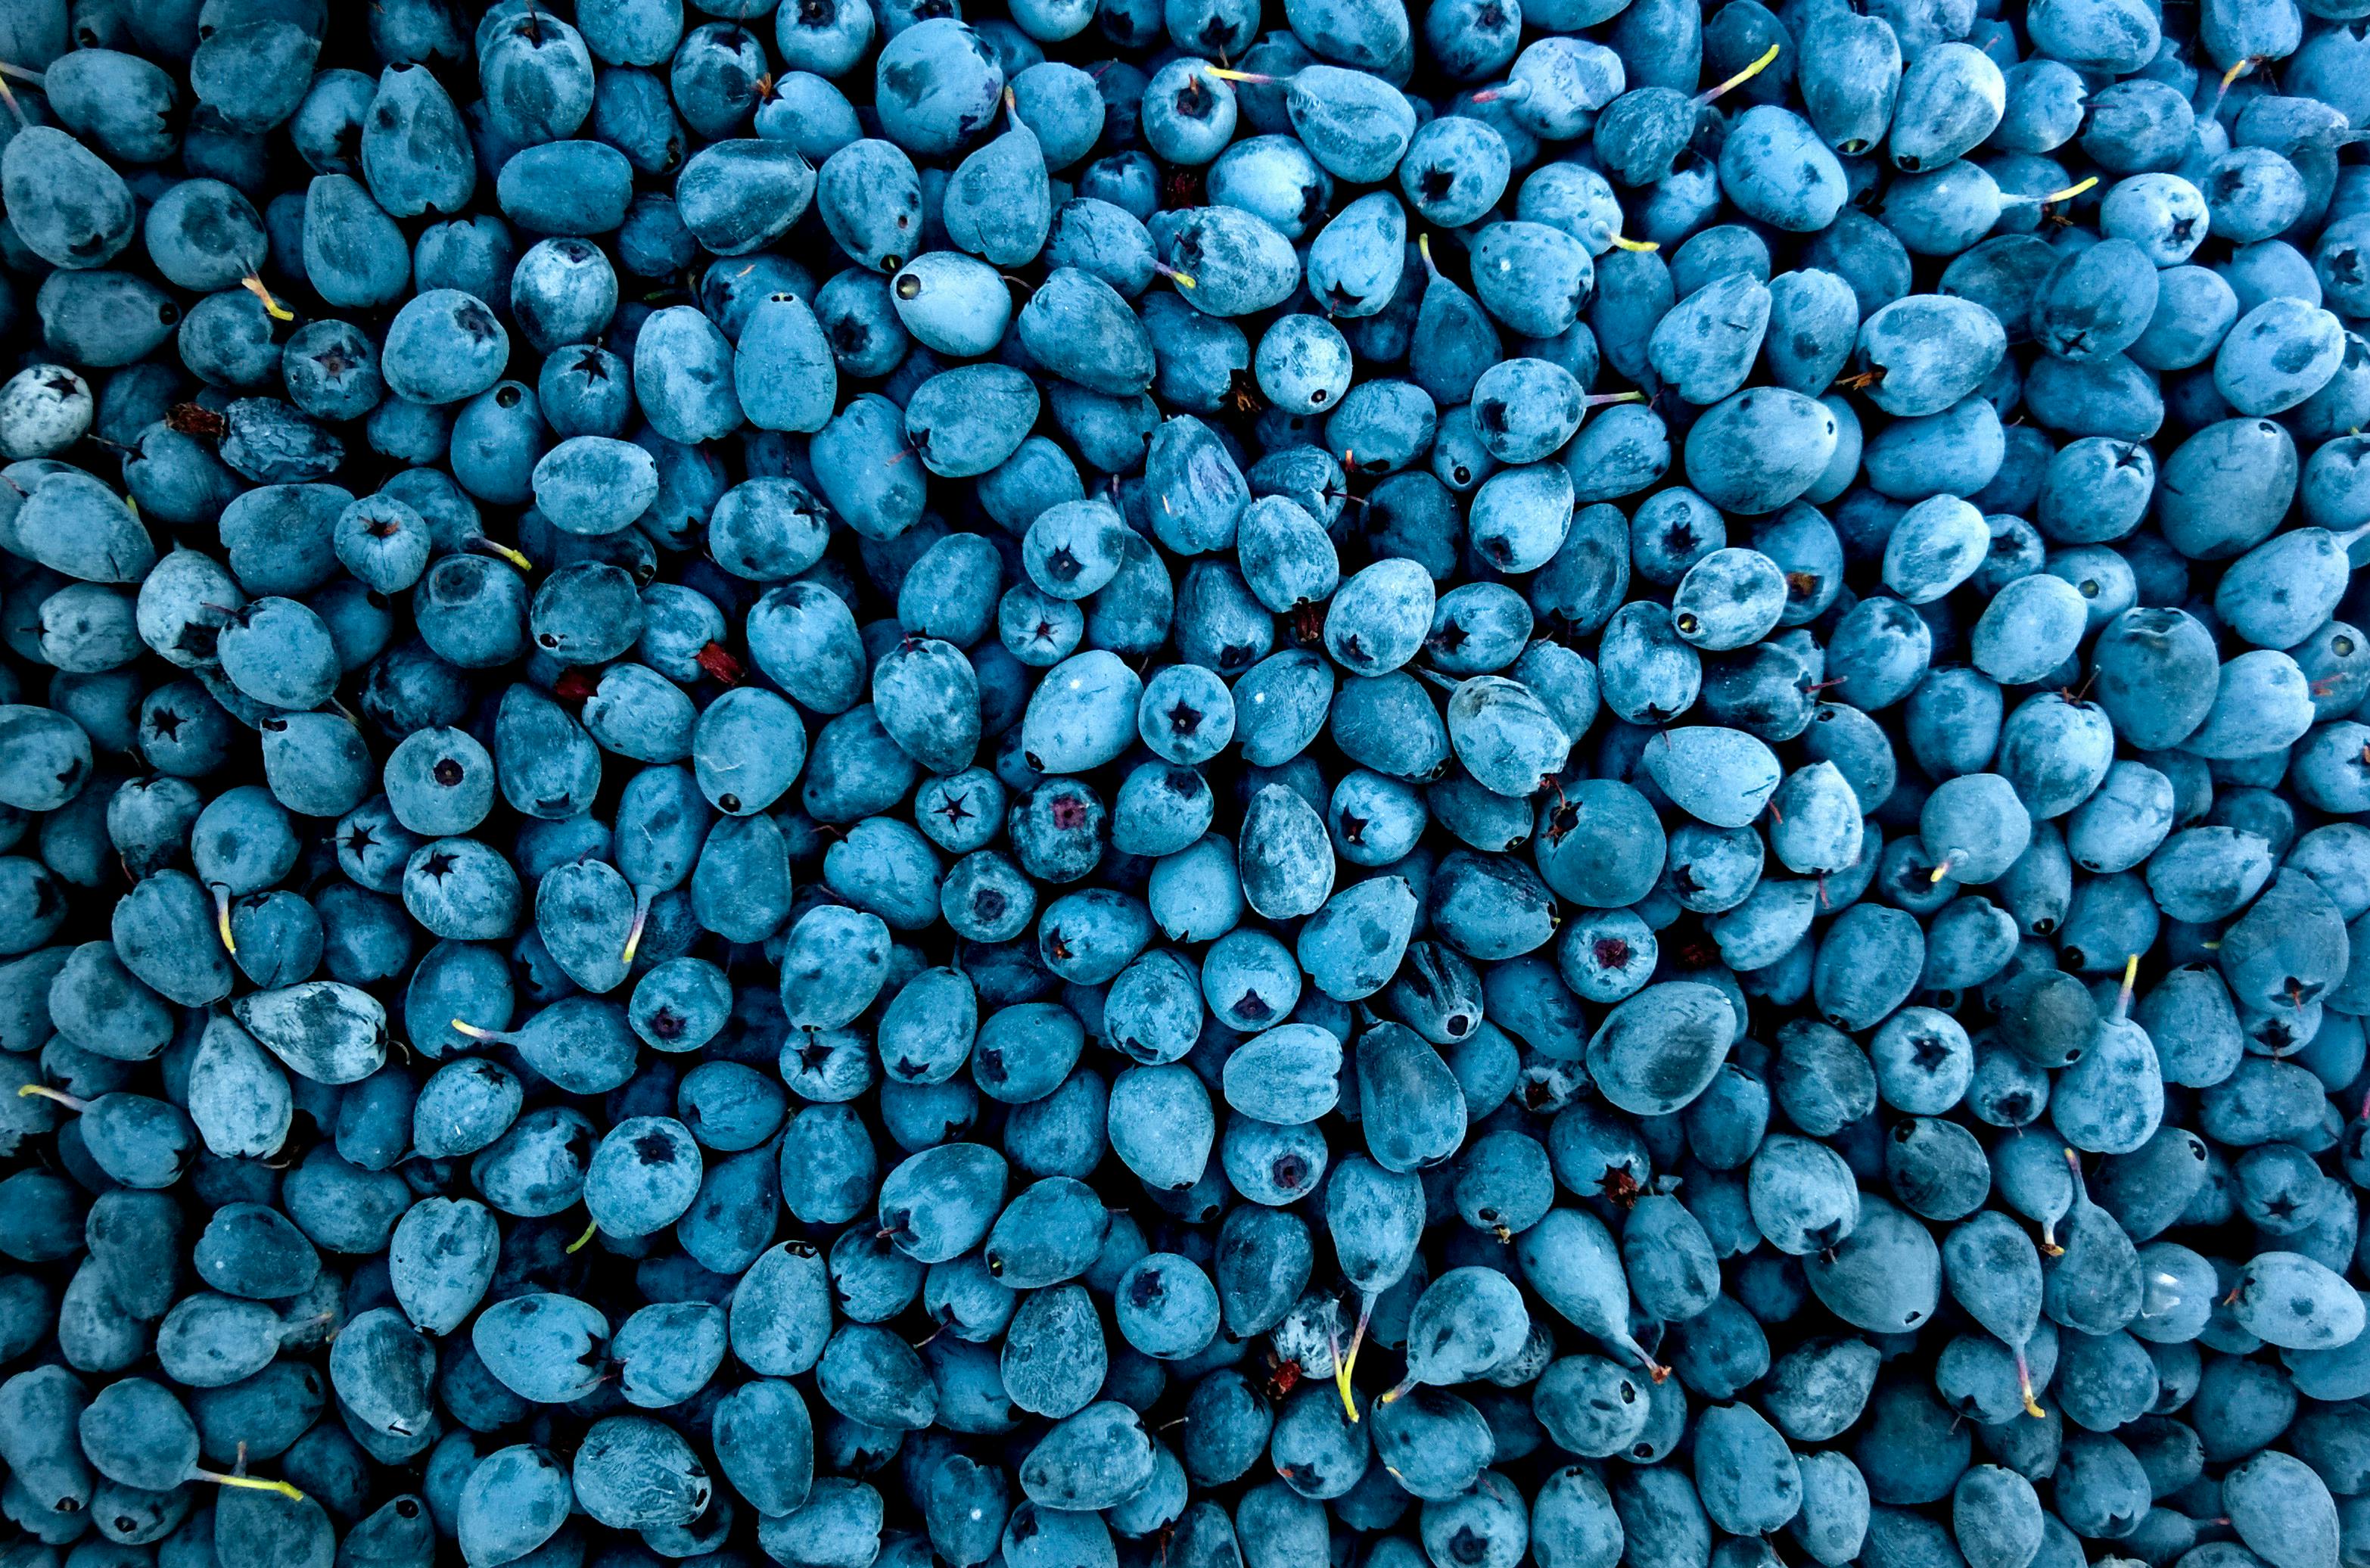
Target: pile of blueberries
[1174, 784]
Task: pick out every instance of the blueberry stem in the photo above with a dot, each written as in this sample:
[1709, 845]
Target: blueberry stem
[2222, 87]
[249, 1482]
[272, 307]
[2077, 189]
[478, 541]
[43, 1090]
[1767, 55]
[642, 916]
[1344, 1364]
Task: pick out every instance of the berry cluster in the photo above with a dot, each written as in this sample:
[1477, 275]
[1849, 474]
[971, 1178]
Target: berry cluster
[1166, 784]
